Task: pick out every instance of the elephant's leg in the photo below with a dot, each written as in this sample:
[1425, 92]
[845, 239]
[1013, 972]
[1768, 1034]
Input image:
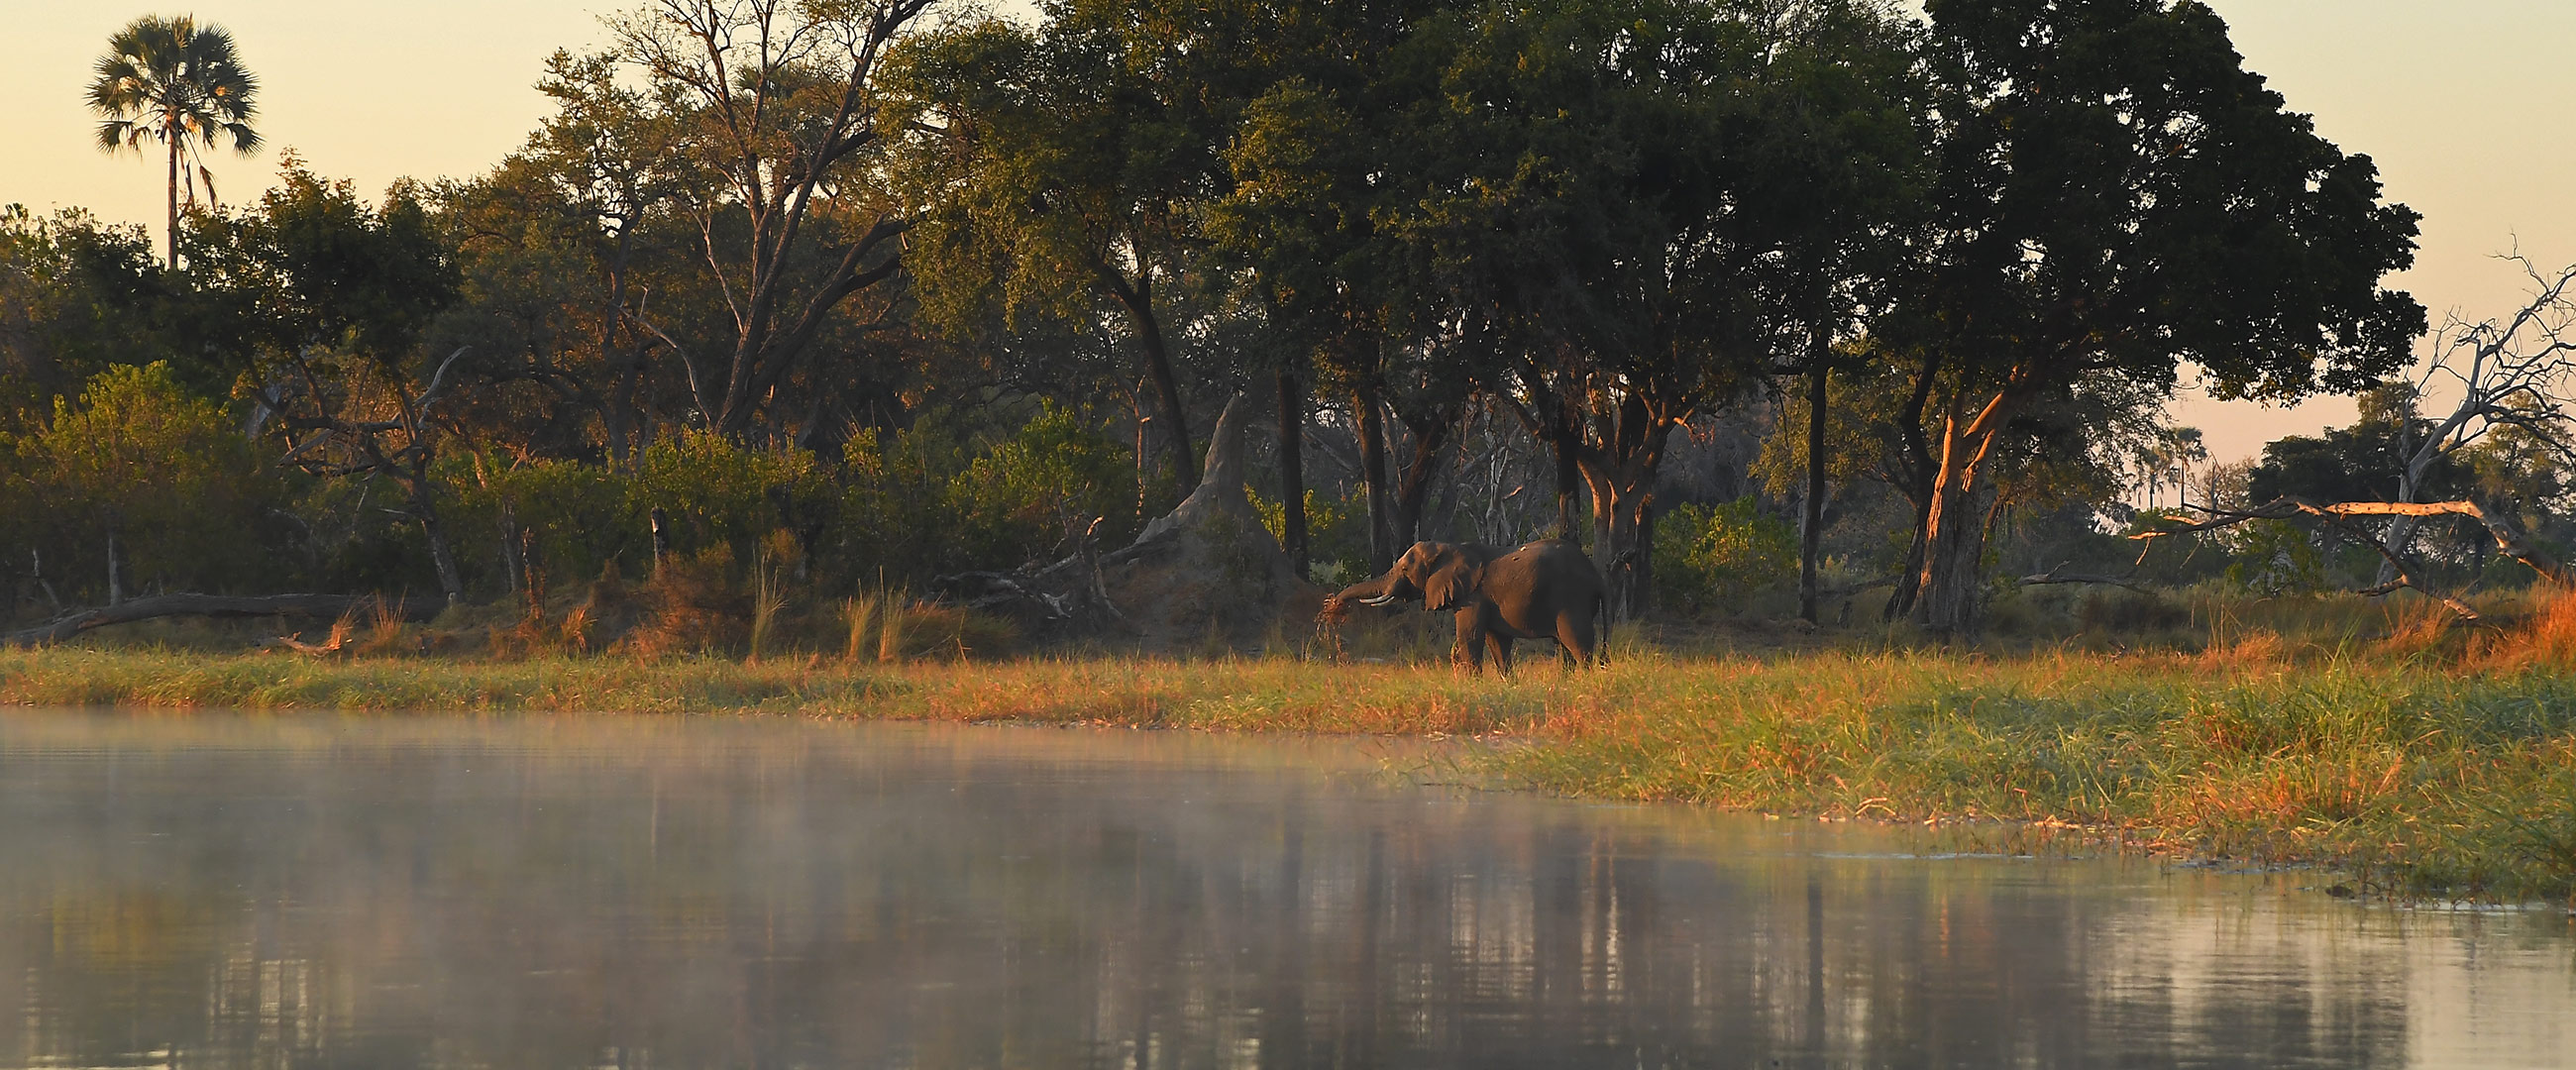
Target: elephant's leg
[1574, 633]
[1500, 645]
[1469, 653]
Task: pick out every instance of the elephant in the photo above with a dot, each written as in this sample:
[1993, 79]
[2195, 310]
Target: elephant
[1543, 590]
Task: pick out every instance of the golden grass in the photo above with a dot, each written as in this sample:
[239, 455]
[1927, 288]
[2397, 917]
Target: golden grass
[2431, 761]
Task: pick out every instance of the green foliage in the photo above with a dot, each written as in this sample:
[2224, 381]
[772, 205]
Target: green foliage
[579, 517]
[1336, 533]
[77, 295]
[1044, 486]
[2276, 557]
[1725, 555]
[718, 491]
[189, 500]
[316, 267]
[901, 507]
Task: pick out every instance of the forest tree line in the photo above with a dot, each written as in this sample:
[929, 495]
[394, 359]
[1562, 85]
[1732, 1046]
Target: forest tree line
[879, 291]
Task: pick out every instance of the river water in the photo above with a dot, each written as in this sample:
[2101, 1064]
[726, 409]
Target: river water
[213, 890]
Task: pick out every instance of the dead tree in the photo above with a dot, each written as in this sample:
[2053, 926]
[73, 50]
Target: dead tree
[2516, 372]
[2508, 538]
[326, 436]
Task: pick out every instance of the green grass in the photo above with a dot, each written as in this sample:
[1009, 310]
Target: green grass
[2422, 779]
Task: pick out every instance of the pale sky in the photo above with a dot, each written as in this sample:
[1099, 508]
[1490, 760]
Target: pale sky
[2461, 102]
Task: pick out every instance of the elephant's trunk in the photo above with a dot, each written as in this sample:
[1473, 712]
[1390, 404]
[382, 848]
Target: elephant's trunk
[1371, 592]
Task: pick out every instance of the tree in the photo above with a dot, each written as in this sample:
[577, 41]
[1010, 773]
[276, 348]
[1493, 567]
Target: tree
[2164, 459]
[78, 295]
[1319, 161]
[167, 79]
[339, 294]
[154, 482]
[1066, 167]
[1833, 176]
[2517, 373]
[2115, 195]
[561, 247]
[1571, 206]
[774, 105]
[1651, 205]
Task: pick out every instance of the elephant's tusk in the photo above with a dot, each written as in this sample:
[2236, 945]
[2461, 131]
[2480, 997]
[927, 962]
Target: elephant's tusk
[1377, 601]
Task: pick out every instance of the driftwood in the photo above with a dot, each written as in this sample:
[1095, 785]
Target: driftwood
[2508, 538]
[199, 605]
[339, 640]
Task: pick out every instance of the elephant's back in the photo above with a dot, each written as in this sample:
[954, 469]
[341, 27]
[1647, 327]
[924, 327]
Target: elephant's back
[1557, 569]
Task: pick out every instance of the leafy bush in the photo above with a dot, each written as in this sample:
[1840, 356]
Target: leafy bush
[578, 517]
[718, 491]
[1336, 533]
[1034, 492]
[1723, 556]
[188, 500]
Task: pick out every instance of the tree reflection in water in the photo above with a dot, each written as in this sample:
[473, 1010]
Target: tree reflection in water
[213, 891]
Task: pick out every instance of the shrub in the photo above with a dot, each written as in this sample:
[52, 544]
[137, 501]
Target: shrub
[1336, 533]
[1034, 492]
[1725, 555]
[190, 502]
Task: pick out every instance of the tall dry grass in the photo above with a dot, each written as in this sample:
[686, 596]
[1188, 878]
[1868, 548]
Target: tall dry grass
[859, 614]
[2431, 760]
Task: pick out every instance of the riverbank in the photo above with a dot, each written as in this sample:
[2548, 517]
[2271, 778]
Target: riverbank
[2417, 777]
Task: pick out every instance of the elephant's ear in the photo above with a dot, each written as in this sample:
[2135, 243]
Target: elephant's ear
[1451, 584]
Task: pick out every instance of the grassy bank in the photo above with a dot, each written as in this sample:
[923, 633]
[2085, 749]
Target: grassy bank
[2421, 776]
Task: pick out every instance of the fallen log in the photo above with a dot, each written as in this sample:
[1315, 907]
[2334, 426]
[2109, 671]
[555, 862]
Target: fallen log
[2060, 575]
[204, 605]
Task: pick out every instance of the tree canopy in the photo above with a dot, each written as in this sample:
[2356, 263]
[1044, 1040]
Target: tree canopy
[1503, 270]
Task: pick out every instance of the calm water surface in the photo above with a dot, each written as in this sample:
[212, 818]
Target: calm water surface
[216, 891]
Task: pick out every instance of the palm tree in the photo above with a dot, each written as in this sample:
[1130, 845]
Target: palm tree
[170, 80]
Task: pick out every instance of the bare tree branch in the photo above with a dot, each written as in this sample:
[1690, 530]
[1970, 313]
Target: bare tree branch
[2508, 538]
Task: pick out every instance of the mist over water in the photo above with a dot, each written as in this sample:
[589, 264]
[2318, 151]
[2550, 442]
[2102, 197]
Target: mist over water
[212, 890]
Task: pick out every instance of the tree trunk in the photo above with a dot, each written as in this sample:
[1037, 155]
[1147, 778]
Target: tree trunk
[1909, 576]
[513, 567]
[171, 130]
[1569, 482]
[1292, 472]
[1138, 299]
[661, 522]
[441, 557]
[1811, 534]
[625, 364]
[1950, 599]
[1625, 557]
[1642, 567]
[1622, 495]
[1951, 602]
[2410, 484]
[1413, 485]
[201, 605]
[1372, 429]
[115, 581]
[1916, 470]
